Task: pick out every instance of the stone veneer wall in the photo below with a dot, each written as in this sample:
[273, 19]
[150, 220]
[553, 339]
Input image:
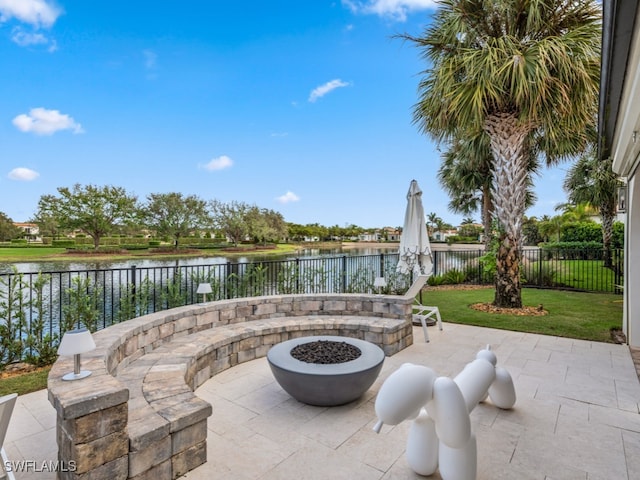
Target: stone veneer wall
[95, 434]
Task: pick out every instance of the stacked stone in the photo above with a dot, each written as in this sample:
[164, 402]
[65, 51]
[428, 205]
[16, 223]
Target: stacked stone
[137, 417]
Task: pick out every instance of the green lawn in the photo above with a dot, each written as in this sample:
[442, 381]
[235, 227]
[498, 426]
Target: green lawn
[34, 254]
[28, 254]
[25, 383]
[588, 275]
[586, 316]
[584, 274]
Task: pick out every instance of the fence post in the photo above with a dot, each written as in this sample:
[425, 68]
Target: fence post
[133, 281]
[539, 267]
[436, 254]
[382, 264]
[344, 274]
[618, 272]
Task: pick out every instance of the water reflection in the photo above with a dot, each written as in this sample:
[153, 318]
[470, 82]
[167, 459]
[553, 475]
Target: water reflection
[53, 266]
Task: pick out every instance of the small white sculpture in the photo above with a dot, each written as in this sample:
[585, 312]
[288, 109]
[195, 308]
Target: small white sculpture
[440, 434]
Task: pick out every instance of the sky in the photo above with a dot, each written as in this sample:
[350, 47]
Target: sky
[303, 107]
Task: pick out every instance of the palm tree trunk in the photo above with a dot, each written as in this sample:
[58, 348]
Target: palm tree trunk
[487, 216]
[607, 234]
[510, 174]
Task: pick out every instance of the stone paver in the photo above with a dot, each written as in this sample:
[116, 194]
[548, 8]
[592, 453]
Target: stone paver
[577, 417]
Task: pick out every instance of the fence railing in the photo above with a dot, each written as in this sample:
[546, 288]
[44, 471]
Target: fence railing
[34, 305]
[561, 268]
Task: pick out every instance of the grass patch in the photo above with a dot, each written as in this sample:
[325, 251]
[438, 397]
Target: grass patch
[11, 255]
[25, 382]
[28, 253]
[584, 316]
[585, 274]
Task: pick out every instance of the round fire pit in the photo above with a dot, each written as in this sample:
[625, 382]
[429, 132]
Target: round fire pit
[325, 384]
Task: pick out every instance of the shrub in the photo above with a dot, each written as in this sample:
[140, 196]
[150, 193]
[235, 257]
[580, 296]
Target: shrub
[618, 235]
[19, 241]
[154, 243]
[573, 250]
[67, 243]
[454, 277]
[134, 247]
[435, 280]
[544, 275]
[582, 232]
[461, 239]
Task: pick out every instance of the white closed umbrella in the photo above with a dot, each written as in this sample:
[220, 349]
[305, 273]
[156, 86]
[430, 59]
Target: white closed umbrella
[415, 250]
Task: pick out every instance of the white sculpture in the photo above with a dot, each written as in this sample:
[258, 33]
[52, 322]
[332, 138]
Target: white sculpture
[440, 434]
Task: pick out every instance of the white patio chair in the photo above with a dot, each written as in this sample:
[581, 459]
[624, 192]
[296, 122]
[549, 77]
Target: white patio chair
[422, 313]
[6, 409]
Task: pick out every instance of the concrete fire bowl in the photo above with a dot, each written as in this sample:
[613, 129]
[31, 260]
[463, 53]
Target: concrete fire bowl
[325, 384]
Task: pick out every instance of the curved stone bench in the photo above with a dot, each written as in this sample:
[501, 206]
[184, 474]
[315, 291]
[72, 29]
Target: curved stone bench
[137, 417]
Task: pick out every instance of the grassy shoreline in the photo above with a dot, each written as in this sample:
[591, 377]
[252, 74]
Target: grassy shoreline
[51, 254]
[57, 254]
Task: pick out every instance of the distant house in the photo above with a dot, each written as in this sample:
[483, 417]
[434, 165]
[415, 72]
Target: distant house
[442, 235]
[369, 236]
[31, 231]
[391, 234]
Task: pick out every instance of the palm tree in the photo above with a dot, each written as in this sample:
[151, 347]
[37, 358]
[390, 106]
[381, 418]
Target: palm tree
[577, 212]
[432, 222]
[465, 174]
[593, 181]
[526, 73]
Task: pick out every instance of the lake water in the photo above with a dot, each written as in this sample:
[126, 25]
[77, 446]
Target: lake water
[35, 267]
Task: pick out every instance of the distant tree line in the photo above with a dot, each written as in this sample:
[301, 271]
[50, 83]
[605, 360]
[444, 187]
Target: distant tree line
[100, 211]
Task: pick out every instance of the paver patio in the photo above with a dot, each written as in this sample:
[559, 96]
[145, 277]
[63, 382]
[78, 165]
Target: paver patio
[577, 417]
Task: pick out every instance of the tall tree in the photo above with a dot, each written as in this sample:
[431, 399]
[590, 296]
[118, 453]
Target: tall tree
[432, 223]
[265, 225]
[232, 219]
[526, 72]
[91, 209]
[593, 181]
[175, 215]
[465, 174]
[8, 231]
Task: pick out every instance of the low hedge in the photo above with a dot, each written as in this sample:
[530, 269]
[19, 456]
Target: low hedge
[67, 243]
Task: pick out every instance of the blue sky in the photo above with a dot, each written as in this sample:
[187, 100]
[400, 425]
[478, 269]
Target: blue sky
[304, 107]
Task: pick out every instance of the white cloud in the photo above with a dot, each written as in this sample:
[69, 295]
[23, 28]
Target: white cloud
[45, 122]
[279, 134]
[38, 13]
[150, 58]
[26, 39]
[394, 9]
[288, 197]
[322, 90]
[219, 163]
[23, 174]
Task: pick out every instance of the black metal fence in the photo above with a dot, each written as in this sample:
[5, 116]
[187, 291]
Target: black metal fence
[559, 268]
[56, 301]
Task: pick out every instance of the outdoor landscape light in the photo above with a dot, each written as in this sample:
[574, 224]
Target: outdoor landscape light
[75, 342]
[380, 283]
[622, 199]
[203, 289]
